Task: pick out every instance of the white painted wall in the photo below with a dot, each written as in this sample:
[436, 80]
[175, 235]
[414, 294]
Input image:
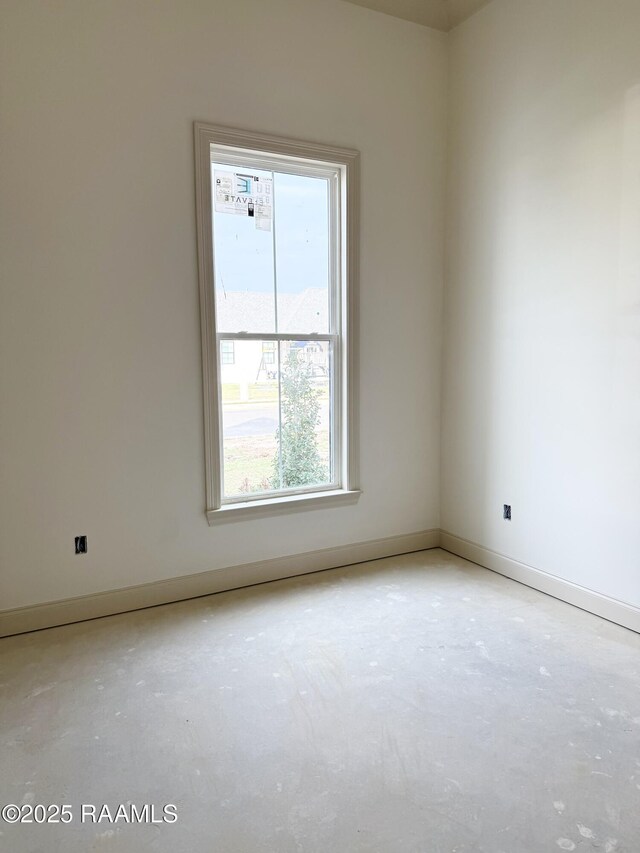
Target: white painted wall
[100, 384]
[542, 329]
[100, 376]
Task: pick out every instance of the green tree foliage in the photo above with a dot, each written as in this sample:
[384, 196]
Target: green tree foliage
[298, 462]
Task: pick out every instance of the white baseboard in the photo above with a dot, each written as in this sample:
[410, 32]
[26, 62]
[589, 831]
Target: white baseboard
[609, 608]
[47, 615]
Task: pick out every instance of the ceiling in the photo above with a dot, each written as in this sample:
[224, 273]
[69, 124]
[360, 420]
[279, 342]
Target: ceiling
[439, 14]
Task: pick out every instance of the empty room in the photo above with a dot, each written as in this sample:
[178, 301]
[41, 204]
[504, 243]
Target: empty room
[319, 426]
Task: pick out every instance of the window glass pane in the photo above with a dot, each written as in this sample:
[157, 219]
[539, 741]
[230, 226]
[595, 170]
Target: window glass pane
[249, 420]
[257, 213]
[243, 249]
[302, 253]
[276, 417]
[304, 434]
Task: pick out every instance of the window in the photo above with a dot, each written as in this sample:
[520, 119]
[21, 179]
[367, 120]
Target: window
[268, 352]
[227, 352]
[278, 260]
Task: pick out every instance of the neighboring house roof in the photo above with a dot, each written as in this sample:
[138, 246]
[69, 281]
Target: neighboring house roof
[248, 311]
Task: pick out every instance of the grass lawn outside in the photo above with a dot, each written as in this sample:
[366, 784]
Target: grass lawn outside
[230, 392]
[248, 461]
[260, 392]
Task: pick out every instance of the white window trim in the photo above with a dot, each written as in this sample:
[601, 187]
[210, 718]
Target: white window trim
[273, 147]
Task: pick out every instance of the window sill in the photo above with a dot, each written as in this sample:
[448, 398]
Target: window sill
[277, 506]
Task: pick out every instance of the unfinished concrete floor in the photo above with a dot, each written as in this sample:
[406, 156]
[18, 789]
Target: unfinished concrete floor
[418, 703]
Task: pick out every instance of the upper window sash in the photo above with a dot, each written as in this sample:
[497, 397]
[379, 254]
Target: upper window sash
[334, 175]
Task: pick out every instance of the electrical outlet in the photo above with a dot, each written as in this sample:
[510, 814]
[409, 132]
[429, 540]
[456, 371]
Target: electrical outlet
[506, 512]
[81, 544]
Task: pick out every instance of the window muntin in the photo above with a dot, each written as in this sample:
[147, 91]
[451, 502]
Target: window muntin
[337, 170]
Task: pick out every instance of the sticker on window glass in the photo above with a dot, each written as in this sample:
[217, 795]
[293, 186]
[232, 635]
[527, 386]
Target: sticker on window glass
[244, 195]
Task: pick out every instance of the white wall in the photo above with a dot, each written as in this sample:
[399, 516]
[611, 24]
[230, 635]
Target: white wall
[542, 329]
[101, 426]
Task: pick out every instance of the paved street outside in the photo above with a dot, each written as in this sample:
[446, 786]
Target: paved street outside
[261, 418]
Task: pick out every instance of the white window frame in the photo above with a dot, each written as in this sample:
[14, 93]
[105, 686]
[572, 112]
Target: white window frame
[239, 146]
